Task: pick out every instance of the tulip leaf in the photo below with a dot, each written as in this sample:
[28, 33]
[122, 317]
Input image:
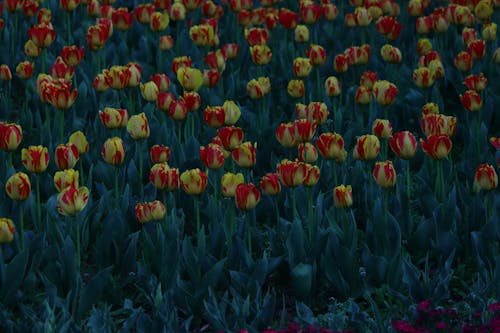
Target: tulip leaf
[93, 291]
[14, 274]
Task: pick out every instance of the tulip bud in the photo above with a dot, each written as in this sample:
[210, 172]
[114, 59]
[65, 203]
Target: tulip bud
[382, 128]
[304, 130]
[163, 177]
[463, 61]
[7, 230]
[149, 91]
[477, 49]
[332, 86]
[143, 213]
[403, 144]
[11, 136]
[231, 112]
[66, 156]
[367, 147]
[192, 100]
[178, 110]
[390, 54]
[423, 77]
[270, 184]
[368, 79]
[476, 82]
[35, 158]
[113, 151]
[166, 43]
[212, 156]
[363, 95]
[31, 50]
[302, 67]
[229, 181]
[430, 108]
[214, 116]
[18, 186]
[301, 34]
[194, 181]
[296, 88]
[190, 78]
[72, 200]
[341, 63]
[384, 174]
[436, 146]
[159, 154]
[312, 175]
[385, 92]
[247, 196]
[244, 154]
[114, 118]
[24, 70]
[424, 46]
[317, 54]
[307, 153]
[230, 137]
[138, 127]
[65, 178]
[331, 147]
[490, 31]
[157, 209]
[485, 178]
[290, 173]
[5, 73]
[342, 196]
[471, 100]
[261, 54]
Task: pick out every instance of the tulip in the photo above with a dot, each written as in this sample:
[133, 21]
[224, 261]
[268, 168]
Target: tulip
[363, 95]
[149, 91]
[430, 108]
[342, 196]
[471, 100]
[476, 82]
[166, 43]
[367, 147]
[72, 200]
[143, 212]
[495, 142]
[341, 63]
[163, 177]
[261, 54]
[194, 181]
[117, 77]
[296, 88]
[100, 83]
[69, 5]
[66, 156]
[31, 50]
[302, 67]
[159, 21]
[301, 34]
[469, 35]
[330, 11]
[385, 92]
[436, 69]
[362, 17]
[60, 70]
[423, 24]
[332, 86]
[288, 19]
[384, 174]
[317, 54]
[114, 118]
[5, 73]
[192, 100]
[138, 127]
[312, 175]
[7, 230]
[143, 13]
[177, 12]
[331, 147]
[178, 110]
[164, 100]
[424, 46]
[436, 146]
[230, 137]
[113, 151]
[358, 55]
[382, 128]
[190, 78]
[257, 36]
[350, 20]
[307, 153]
[317, 112]
[485, 178]
[423, 77]
[80, 141]
[65, 178]
[304, 130]
[403, 144]
[122, 19]
[290, 173]
[18, 186]
[181, 62]
[35, 158]
[477, 49]
[229, 182]
[390, 54]
[134, 74]
[159, 154]
[231, 112]
[270, 184]
[484, 10]
[285, 134]
[24, 70]
[489, 31]
[255, 89]
[214, 116]
[463, 61]
[43, 35]
[244, 155]
[212, 156]
[368, 79]
[247, 196]
[11, 136]
[438, 124]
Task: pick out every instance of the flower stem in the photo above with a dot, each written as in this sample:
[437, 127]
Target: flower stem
[77, 235]
[139, 149]
[197, 210]
[38, 206]
[9, 160]
[61, 125]
[249, 233]
[21, 223]
[318, 84]
[294, 204]
[310, 218]
[408, 180]
[116, 187]
[68, 28]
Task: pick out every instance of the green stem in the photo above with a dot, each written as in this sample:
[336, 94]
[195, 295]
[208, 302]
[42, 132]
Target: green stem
[47, 116]
[44, 59]
[408, 180]
[318, 84]
[139, 149]
[179, 132]
[249, 233]
[9, 160]
[294, 204]
[82, 175]
[68, 28]
[61, 125]
[38, 206]
[310, 218]
[197, 210]
[78, 250]
[335, 177]
[21, 223]
[231, 225]
[116, 187]
[476, 137]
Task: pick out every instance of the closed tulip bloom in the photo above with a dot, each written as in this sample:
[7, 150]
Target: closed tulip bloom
[159, 153]
[114, 118]
[317, 54]
[489, 31]
[117, 77]
[212, 156]
[437, 146]
[302, 67]
[143, 213]
[7, 230]
[285, 134]
[214, 116]
[438, 124]
[194, 181]
[291, 174]
[403, 144]
[423, 77]
[484, 9]
[113, 151]
[495, 142]
[143, 13]
[69, 5]
[31, 50]
[190, 78]
[331, 147]
[72, 200]
[202, 34]
[307, 153]
[332, 86]
[471, 100]
[257, 36]
[342, 196]
[477, 49]
[80, 141]
[476, 82]
[24, 70]
[18, 186]
[304, 130]
[100, 83]
[159, 21]
[210, 77]
[367, 147]
[230, 137]
[362, 17]
[192, 100]
[43, 35]
[436, 69]
[288, 19]
[350, 20]
[317, 113]
[296, 88]
[232, 112]
[245, 154]
[247, 196]
[301, 33]
[430, 108]
[363, 95]
[469, 35]
[391, 54]
[11, 136]
[149, 91]
[35, 158]
[181, 62]
[229, 181]
[261, 54]
[65, 178]
[178, 110]
[122, 19]
[485, 178]
[385, 92]
[424, 46]
[166, 43]
[312, 175]
[463, 61]
[5, 73]
[163, 177]
[382, 128]
[384, 174]
[270, 184]
[368, 79]
[135, 74]
[66, 156]
[164, 100]
[157, 209]
[496, 56]
[138, 127]
[358, 55]
[255, 89]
